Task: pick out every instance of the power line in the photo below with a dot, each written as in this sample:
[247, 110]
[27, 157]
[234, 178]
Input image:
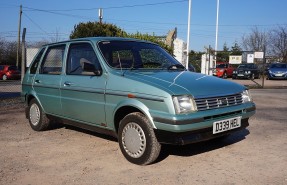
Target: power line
[112, 7]
[34, 23]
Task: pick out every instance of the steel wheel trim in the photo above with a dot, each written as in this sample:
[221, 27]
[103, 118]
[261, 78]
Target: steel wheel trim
[34, 114]
[133, 140]
[4, 77]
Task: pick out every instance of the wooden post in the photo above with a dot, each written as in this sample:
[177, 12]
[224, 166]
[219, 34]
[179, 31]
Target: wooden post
[23, 64]
[19, 30]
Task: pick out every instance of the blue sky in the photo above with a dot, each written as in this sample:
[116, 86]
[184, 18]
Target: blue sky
[236, 17]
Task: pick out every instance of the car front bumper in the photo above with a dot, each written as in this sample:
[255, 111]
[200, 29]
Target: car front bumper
[200, 128]
[246, 76]
[183, 138]
[274, 76]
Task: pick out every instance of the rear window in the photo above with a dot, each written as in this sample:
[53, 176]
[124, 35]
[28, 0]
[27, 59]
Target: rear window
[12, 68]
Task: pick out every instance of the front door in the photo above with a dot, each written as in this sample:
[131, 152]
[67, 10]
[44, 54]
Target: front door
[82, 91]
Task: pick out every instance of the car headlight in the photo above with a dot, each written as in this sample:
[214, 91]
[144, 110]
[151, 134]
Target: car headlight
[270, 71]
[246, 97]
[184, 104]
[221, 70]
[234, 72]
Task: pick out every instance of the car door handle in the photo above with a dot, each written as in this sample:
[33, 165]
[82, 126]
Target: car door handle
[68, 83]
[37, 81]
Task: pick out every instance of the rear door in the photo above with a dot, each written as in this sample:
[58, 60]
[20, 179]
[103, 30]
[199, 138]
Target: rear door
[82, 92]
[47, 81]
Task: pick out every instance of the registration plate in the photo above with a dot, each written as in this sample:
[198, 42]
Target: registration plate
[278, 74]
[225, 125]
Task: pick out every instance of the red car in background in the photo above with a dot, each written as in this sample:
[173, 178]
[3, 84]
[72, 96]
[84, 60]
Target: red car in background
[223, 70]
[8, 72]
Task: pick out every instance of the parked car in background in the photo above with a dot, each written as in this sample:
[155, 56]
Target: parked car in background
[247, 71]
[223, 70]
[277, 71]
[8, 72]
[133, 90]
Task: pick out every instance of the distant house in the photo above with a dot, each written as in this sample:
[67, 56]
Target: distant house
[179, 50]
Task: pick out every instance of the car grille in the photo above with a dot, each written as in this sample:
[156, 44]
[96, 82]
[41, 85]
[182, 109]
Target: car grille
[218, 102]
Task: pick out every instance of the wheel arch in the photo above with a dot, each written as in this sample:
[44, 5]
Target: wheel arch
[32, 96]
[129, 107]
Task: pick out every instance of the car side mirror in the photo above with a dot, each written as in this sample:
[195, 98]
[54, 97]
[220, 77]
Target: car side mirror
[88, 67]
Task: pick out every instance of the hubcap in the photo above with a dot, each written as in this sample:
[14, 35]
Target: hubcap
[34, 114]
[4, 77]
[134, 140]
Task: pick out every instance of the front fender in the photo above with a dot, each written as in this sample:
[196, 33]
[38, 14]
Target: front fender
[136, 104]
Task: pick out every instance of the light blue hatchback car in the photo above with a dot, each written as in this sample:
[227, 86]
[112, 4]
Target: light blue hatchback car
[133, 90]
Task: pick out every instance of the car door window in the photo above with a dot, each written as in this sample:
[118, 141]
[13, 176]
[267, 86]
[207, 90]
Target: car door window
[79, 54]
[53, 59]
[36, 62]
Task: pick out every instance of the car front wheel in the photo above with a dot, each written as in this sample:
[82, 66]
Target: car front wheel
[4, 77]
[137, 140]
[37, 118]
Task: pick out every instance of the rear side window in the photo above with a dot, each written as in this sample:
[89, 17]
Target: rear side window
[53, 60]
[36, 62]
[79, 54]
[12, 68]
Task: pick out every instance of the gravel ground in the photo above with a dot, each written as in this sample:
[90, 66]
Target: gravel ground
[67, 155]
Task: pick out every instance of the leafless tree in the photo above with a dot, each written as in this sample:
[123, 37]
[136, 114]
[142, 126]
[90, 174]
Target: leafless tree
[256, 40]
[278, 42]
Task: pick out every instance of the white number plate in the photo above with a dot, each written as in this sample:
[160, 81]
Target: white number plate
[278, 74]
[227, 124]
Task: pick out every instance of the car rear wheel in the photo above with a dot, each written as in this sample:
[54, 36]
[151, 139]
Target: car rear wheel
[37, 118]
[137, 140]
[4, 77]
[224, 75]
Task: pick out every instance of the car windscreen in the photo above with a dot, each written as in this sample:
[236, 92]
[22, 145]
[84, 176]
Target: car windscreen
[221, 66]
[278, 66]
[246, 66]
[137, 55]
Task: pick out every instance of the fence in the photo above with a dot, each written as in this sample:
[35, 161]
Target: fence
[10, 78]
[12, 88]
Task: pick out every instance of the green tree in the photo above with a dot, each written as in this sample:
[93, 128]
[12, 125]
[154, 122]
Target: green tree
[96, 29]
[151, 38]
[223, 56]
[195, 59]
[236, 49]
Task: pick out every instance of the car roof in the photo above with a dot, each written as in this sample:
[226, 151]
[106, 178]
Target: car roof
[98, 39]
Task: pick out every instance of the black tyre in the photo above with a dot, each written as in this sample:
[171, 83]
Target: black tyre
[37, 118]
[137, 140]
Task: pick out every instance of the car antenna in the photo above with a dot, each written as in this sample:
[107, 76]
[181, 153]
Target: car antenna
[120, 63]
